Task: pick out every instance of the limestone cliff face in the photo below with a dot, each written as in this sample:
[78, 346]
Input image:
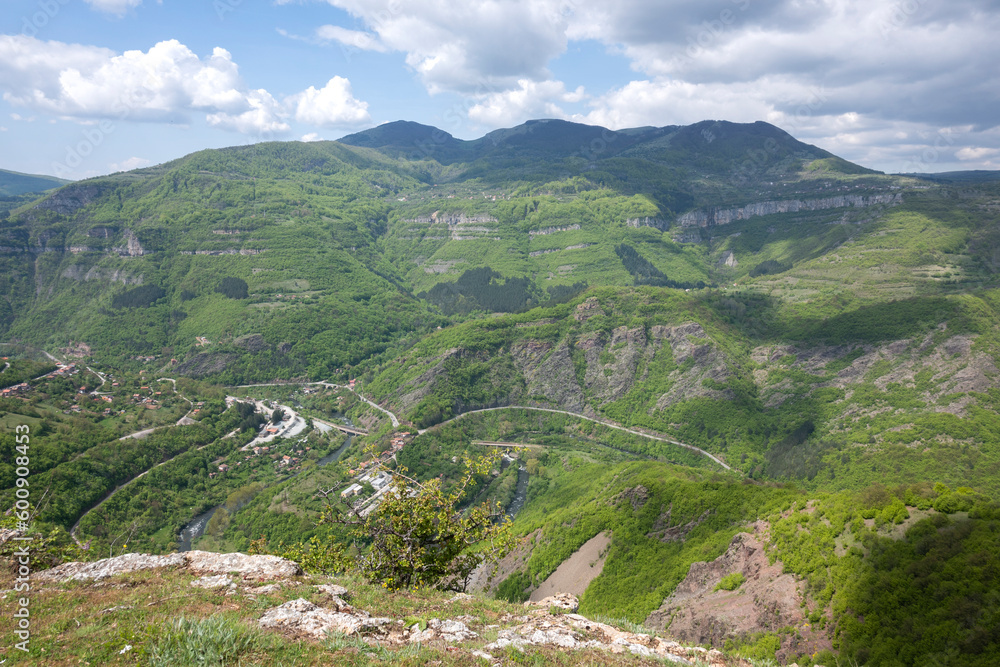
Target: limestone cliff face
[724, 216]
[131, 246]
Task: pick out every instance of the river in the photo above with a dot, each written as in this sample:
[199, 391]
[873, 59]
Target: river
[520, 493]
[196, 527]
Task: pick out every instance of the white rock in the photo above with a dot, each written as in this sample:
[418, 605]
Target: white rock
[334, 590]
[109, 567]
[212, 582]
[261, 568]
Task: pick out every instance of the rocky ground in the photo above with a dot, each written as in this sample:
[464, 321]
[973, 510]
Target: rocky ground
[767, 601]
[125, 609]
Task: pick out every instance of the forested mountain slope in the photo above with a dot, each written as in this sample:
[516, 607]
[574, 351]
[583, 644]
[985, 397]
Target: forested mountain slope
[828, 332]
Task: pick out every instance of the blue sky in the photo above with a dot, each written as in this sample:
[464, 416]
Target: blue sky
[89, 87]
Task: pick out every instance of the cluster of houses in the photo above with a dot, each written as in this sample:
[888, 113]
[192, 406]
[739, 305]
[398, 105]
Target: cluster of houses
[15, 390]
[63, 371]
[151, 401]
[289, 461]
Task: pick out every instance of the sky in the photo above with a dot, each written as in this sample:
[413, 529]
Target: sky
[90, 87]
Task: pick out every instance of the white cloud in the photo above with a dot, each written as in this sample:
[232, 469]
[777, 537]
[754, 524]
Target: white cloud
[351, 39]
[679, 103]
[473, 46]
[312, 136]
[264, 118]
[2, 128]
[116, 7]
[332, 106]
[976, 153]
[165, 83]
[529, 100]
[129, 164]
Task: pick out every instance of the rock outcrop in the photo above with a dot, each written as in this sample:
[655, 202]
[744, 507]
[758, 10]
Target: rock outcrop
[301, 618]
[724, 216]
[572, 631]
[249, 568]
[767, 601]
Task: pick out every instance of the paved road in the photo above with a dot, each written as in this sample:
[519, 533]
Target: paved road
[596, 421]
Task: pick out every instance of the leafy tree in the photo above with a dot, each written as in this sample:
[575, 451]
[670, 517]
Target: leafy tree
[139, 297]
[234, 288]
[419, 537]
[278, 415]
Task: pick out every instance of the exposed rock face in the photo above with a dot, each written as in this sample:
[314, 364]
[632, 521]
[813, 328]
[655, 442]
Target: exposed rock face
[588, 309]
[205, 363]
[548, 371]
[457, 226]
[80, 272]
[6, 535]
[110, 567]
[301, 618]
[421, 386]
[613, 362]
[953, 366]
[446, 630]
[609, 380]
[132, 247]
[251, 342]
[724, 216]
[657, 223]
[698, 360]
[767, 601]
[258, 568]
[213, 582]
[663, 531]
[261, 568]
[566, 601]
[553, 230]
[72, 197]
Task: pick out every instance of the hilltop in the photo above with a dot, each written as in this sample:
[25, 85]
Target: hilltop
[14, 183]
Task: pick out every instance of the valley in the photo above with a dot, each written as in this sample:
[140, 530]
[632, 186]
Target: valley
[743, 356]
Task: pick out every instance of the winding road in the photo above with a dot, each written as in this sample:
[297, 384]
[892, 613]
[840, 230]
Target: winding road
[395, 420]
[590, 419]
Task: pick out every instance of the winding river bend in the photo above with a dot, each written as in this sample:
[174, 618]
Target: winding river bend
[196, 527]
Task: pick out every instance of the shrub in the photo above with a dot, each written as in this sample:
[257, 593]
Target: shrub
[730, 582]
[420, 538]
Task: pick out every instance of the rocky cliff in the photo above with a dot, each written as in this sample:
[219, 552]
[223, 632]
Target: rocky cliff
[724, 216]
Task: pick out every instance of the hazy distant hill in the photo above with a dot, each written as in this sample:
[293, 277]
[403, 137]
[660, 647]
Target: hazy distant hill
[15, 183]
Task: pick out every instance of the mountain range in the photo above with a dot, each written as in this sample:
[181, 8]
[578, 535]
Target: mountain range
[827, 332]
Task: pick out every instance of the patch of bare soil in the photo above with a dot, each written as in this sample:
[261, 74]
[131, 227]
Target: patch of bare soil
[767, 601]
[576, 572]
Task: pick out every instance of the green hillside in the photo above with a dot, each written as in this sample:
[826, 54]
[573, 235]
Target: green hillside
[762, 336]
